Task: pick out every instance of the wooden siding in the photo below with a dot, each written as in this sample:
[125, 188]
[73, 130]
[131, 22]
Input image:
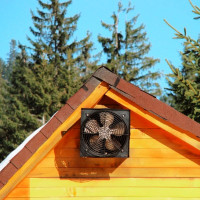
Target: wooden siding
[160, 167]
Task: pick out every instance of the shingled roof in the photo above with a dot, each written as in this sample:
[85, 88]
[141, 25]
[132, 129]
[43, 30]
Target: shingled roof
[146, 101]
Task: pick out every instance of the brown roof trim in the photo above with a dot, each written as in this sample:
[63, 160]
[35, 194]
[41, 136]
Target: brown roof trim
[36, 142]
[21, 157]
[51, 126]
[104, 74]
[128, 90]
[7, 173]
[1, 185]
[64, 112]
[83, 93]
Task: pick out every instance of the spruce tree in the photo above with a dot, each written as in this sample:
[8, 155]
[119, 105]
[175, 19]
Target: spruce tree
[127, 50]
[8, 66]
[184, 82]
[58, 59]
[16, 121]
[3, 70]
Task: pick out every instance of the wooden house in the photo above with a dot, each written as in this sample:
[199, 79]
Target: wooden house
[163, 162]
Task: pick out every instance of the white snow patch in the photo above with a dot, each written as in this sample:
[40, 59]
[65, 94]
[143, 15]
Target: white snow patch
[19, 148]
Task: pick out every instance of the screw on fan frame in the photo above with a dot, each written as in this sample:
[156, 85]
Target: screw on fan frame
[105, 133]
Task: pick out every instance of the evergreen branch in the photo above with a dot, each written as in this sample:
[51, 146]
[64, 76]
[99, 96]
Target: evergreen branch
[196, 9]
[171, 66]
[191, 87]
[172, 27]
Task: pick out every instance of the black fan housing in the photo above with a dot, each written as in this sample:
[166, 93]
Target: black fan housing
[105, 133]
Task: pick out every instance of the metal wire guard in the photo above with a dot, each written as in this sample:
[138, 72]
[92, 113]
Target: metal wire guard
[104, 133]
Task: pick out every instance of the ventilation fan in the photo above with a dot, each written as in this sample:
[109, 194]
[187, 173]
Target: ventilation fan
[104, 133]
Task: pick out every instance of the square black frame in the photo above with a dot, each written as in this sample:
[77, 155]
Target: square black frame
[122, 113]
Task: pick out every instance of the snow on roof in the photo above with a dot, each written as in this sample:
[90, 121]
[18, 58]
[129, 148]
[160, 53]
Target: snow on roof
[19, 148]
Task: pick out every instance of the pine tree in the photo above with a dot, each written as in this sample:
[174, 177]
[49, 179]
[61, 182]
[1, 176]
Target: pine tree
[58, 59]
[3, 69]
[16, 121]
[184, 83]
[126, 51]
[8, 66]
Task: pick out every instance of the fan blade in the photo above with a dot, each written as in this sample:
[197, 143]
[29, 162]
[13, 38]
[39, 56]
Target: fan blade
[106, 119]
[112, 145]
[91, 126]
[118, 129]
[96, 143]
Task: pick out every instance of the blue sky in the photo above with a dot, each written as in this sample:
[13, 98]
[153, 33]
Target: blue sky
[15, 20]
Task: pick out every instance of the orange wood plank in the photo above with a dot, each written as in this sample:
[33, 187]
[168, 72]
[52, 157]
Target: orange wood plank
[155, 133]
[134, 143]
[133, 153]
[118, 162]
[115, 172]
[136, 121]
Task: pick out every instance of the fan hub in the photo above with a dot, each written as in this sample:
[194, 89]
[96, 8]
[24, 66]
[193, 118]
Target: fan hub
[104, 133]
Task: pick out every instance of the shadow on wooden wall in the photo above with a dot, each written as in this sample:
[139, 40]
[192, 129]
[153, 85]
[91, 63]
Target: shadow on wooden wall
[70, 165]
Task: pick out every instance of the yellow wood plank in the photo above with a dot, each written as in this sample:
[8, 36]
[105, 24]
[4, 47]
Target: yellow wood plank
[108, 106]
[107, 192]
[134, 143]
[133, 153]
[105, 198]
[134, 133]
[147, 133]
[91, 101]
[188, 138]
[118, 162]
[115, 172]
[114, 182]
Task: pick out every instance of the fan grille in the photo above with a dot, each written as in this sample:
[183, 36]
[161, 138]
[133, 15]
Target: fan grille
[104, 133]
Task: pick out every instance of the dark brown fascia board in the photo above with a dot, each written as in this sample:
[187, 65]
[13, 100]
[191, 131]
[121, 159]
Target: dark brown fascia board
[7, 173]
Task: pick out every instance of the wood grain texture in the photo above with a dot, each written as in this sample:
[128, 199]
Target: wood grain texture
[107, 182]
[107, 192]
[105, 198]
[115, 172]
[133, 153]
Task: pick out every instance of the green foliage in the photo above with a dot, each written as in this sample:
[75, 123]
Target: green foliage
[185, 82]
[3, 69]
[60, 62]
[7, 67]
[16, 121]
[14, 125]
[126, 51]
